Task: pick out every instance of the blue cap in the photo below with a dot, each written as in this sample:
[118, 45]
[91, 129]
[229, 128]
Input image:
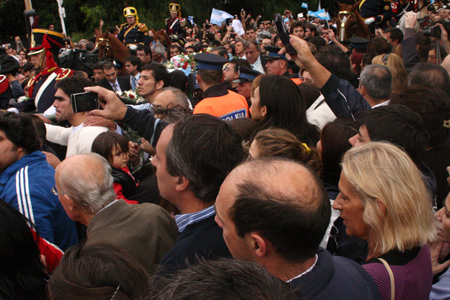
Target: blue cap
[358, 42]
[247, 75]
[208, 61]
[273, 53]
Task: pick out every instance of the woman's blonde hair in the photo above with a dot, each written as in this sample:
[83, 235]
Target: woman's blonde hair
[399, 74]
[382, 171]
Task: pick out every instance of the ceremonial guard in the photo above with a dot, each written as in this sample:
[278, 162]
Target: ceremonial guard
[175, 24]
[45, 46]
[133, 33]
[377, 13]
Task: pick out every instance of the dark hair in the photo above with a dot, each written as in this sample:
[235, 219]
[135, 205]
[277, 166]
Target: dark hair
[105, 141]
[159, 72]
[98, 272]
[224, 279]
[39, 126]
[19, 129]
[294, 25]
[399, 125]
[97, 66]
[135, 61]
[309, 92]
[430, 74]
[210, 138]
[285, 108]
[335, 60]
[73, 85]
[433, 105]
[147, 50]
[239, 62]
[211, 77]
[396, 34]
[178, 80]
[424, 43]
[107, 65]
[23, 275]
[221, 50]
[378, 45]
[334, 140]
[294, 228]
[318, 41]
[244, 127]
[29, 66]
[311, 27]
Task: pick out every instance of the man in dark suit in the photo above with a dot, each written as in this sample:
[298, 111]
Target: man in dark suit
[112, 81]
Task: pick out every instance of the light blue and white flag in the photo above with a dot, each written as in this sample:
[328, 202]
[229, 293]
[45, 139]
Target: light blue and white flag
[219, 16]
[321, 14]
[304, 5]
[191, 19]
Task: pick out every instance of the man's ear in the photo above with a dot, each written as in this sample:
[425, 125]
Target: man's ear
[159, 85]
[182, 184]
[257, 243]
[70, 203]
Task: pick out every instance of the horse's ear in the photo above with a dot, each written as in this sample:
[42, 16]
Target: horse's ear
[355, 6]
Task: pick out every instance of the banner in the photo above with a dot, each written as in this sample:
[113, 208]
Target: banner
[219, 16]
[321, 14]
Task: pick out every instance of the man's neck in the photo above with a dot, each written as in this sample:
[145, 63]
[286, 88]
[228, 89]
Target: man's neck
[151, 98]
[285, 270]
[188, 204]
[134, 73]
[77, 119]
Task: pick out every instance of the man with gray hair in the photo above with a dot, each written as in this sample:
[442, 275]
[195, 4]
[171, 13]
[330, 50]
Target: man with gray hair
[158, 52]
[169, 98]
[85, 190]
[375, 85]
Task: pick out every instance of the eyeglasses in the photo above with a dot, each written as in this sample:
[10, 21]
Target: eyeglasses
[55, 191]
[153, 108]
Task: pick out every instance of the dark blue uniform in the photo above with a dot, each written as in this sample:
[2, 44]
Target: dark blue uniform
[176, 27]
[380, 9]
[137, 34]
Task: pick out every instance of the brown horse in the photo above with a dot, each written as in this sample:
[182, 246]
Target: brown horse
[350, 23]
[110, 48]
[161, 36]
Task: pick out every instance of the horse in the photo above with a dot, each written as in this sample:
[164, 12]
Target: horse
[110, 48]
[161, 36]
[350, 23]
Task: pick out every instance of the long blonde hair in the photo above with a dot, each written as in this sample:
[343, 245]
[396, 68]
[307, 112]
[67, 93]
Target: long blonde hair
[399, 74]
[382, 171]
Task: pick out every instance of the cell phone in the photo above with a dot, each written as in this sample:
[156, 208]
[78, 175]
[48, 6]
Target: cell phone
[86, 101]
[284, 36]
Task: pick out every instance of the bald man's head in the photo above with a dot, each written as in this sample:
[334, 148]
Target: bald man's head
[282, 200]
[87, 180]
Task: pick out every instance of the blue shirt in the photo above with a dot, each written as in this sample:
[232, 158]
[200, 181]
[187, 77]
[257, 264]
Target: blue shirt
[184, 220]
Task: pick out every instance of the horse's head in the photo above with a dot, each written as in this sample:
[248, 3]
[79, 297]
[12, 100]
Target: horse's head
[104, 45]
[347, 20]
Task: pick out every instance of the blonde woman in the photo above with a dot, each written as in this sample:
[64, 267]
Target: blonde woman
[399, 74]
[383, 200]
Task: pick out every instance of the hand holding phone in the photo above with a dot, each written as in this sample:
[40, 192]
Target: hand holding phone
[284, 36]
[86, 101]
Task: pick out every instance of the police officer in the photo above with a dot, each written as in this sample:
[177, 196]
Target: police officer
[217, 100]
[133, 33]
[175, 24]
[376, 13]
[45, 46]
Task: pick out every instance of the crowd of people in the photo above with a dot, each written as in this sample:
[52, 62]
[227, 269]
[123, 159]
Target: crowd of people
[252, 174]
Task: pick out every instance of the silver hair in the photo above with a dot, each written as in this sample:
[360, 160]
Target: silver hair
[159, 48]
[180, 97]
[91, 189]
[377, 80]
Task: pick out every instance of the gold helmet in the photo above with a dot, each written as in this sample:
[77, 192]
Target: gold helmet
[130, 12]
[175, 8]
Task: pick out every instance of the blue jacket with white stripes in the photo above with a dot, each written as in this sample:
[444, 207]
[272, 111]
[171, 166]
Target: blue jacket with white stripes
[27, 185]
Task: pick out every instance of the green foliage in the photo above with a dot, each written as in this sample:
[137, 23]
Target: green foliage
[93, 15]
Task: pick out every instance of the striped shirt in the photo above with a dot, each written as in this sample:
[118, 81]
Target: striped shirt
[188, 219]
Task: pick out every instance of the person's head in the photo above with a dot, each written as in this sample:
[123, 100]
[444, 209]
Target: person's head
[174, 50]
[41, 131]
[110, 71]
[252, 51]
[144, 53]
[154, 77]
[335, 60]
[17, 138]
[433, 105]
[189, 49]
[383, 199]
[277, 102]
[23, 275]
[27, 69]
[239, 47]
[250, 33]
[264, 43]
[272, 208]
[113, 147]
[231, 69]
[443, 219]
[223, 278]
[394, 36]
[297, 29]
[178, 168]
[281, 143]
[399, 74]
[64, 89]
[97, 71]
[431, 74]
[133, 65]
[276, 66]
[396, 124]
[376, 82]
[334, 142]
[167, 99]
[131, 20]
[85, 185]
[310, 30]
[378, 45]
[220, 50]
[99, 271]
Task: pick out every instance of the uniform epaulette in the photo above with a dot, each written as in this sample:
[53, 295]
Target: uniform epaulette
[143, 27]
[182, 22]
[4, 83]
[63, 74]
[122, 26]
[31, 82]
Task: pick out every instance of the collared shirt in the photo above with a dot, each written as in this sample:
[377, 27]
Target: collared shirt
[116, 87]
[136, 80]
[307, 271]
[258, 65]
[183, 220]
[384, 103]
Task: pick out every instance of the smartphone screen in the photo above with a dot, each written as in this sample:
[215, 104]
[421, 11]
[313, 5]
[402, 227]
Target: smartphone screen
[84, 102]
